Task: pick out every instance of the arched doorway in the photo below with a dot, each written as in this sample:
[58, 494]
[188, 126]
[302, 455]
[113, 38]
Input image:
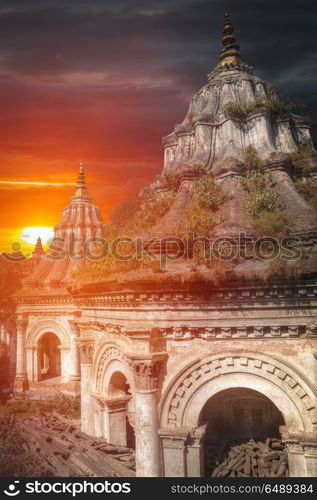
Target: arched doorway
[118, 386]
[49, 357]
[235, 416]
[121, 429]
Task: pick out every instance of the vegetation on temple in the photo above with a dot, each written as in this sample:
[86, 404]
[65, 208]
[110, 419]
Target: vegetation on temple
[270, 103]
[307, 189]
[301, 166]
[172, 180]
[301, 160]
[67, 406]
[263, 200]
[201, 213]
[138, 214]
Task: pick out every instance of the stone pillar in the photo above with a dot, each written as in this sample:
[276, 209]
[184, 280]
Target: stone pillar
[74, 351]
[87, 409]
[20, 383]
[310, 452]
[183, 452]
[4, 355]
[148, 460]
[117, 420]
[195, 453]
[3, 337]
[12, 355]
[174, 452]
[296, 458]
[99, 407]
[8, 337]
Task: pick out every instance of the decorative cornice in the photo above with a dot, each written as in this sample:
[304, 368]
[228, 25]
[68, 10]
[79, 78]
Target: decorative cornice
[106, 327]
[97, 295]
[207, 332]
[146, 370]
[40, 300]
[185, 332]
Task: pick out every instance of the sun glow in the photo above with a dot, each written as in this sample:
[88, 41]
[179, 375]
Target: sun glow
[31, 234]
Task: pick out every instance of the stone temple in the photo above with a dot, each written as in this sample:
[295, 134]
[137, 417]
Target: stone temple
[176, 363]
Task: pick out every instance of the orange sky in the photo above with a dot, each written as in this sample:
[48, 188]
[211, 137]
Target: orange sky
[102, 81]
[48, 130]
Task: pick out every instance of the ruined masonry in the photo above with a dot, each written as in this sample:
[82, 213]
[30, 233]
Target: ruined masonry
[181, 371]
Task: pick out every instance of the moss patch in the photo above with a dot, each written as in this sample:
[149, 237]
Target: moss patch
[134, 215]
[200, 216]
[263, 200]
[271, 104]
[307, 189]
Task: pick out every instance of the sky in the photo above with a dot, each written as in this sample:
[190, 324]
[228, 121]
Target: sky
[102, 81]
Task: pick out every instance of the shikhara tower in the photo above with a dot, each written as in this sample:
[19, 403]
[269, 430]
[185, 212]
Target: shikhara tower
[79, 230]
[163, 360]
[234, 111]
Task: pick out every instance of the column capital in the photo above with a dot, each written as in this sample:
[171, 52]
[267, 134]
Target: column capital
[146, 368]
[74, 326]
[86, 351]
[100, 399]
[117, 404]
[3, 350]
[21, 323]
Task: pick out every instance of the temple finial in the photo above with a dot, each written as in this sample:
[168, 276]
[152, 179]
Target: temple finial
[81, 193]
[230, 54]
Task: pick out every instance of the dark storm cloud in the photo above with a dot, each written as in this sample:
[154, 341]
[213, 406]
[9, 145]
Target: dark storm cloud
[160, 47]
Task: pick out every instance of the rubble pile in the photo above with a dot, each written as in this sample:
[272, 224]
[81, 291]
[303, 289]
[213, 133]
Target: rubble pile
[66, 451]
[253, 459]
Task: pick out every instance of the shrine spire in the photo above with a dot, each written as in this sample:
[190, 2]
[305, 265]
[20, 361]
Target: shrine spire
[230, 54]
[81, 193]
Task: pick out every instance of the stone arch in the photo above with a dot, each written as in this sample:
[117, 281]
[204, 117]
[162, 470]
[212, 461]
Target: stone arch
[49, 356]
[110, 359]
[288, 389]
[117, 385]
[34, 334]
[113, 382]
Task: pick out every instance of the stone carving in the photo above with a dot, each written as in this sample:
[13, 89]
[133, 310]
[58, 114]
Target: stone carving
[146, 370]
[222, 294]
[100, 400]
[46, 326]
[21, 324]
[111, 352]
[202, 371]
[209, 332]
[86, 351]
[75, 327]
[117, 404]
[106, 327]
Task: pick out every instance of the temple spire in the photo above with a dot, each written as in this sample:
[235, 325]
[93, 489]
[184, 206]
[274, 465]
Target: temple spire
[230, 54]
[38, 251]
[81, 193]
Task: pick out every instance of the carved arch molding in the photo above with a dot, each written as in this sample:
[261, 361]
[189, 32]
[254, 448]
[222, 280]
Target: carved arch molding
[187, 383]
[109, 353]
[38, 329]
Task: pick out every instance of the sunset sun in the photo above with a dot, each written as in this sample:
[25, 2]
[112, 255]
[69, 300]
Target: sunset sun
[30, 234]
